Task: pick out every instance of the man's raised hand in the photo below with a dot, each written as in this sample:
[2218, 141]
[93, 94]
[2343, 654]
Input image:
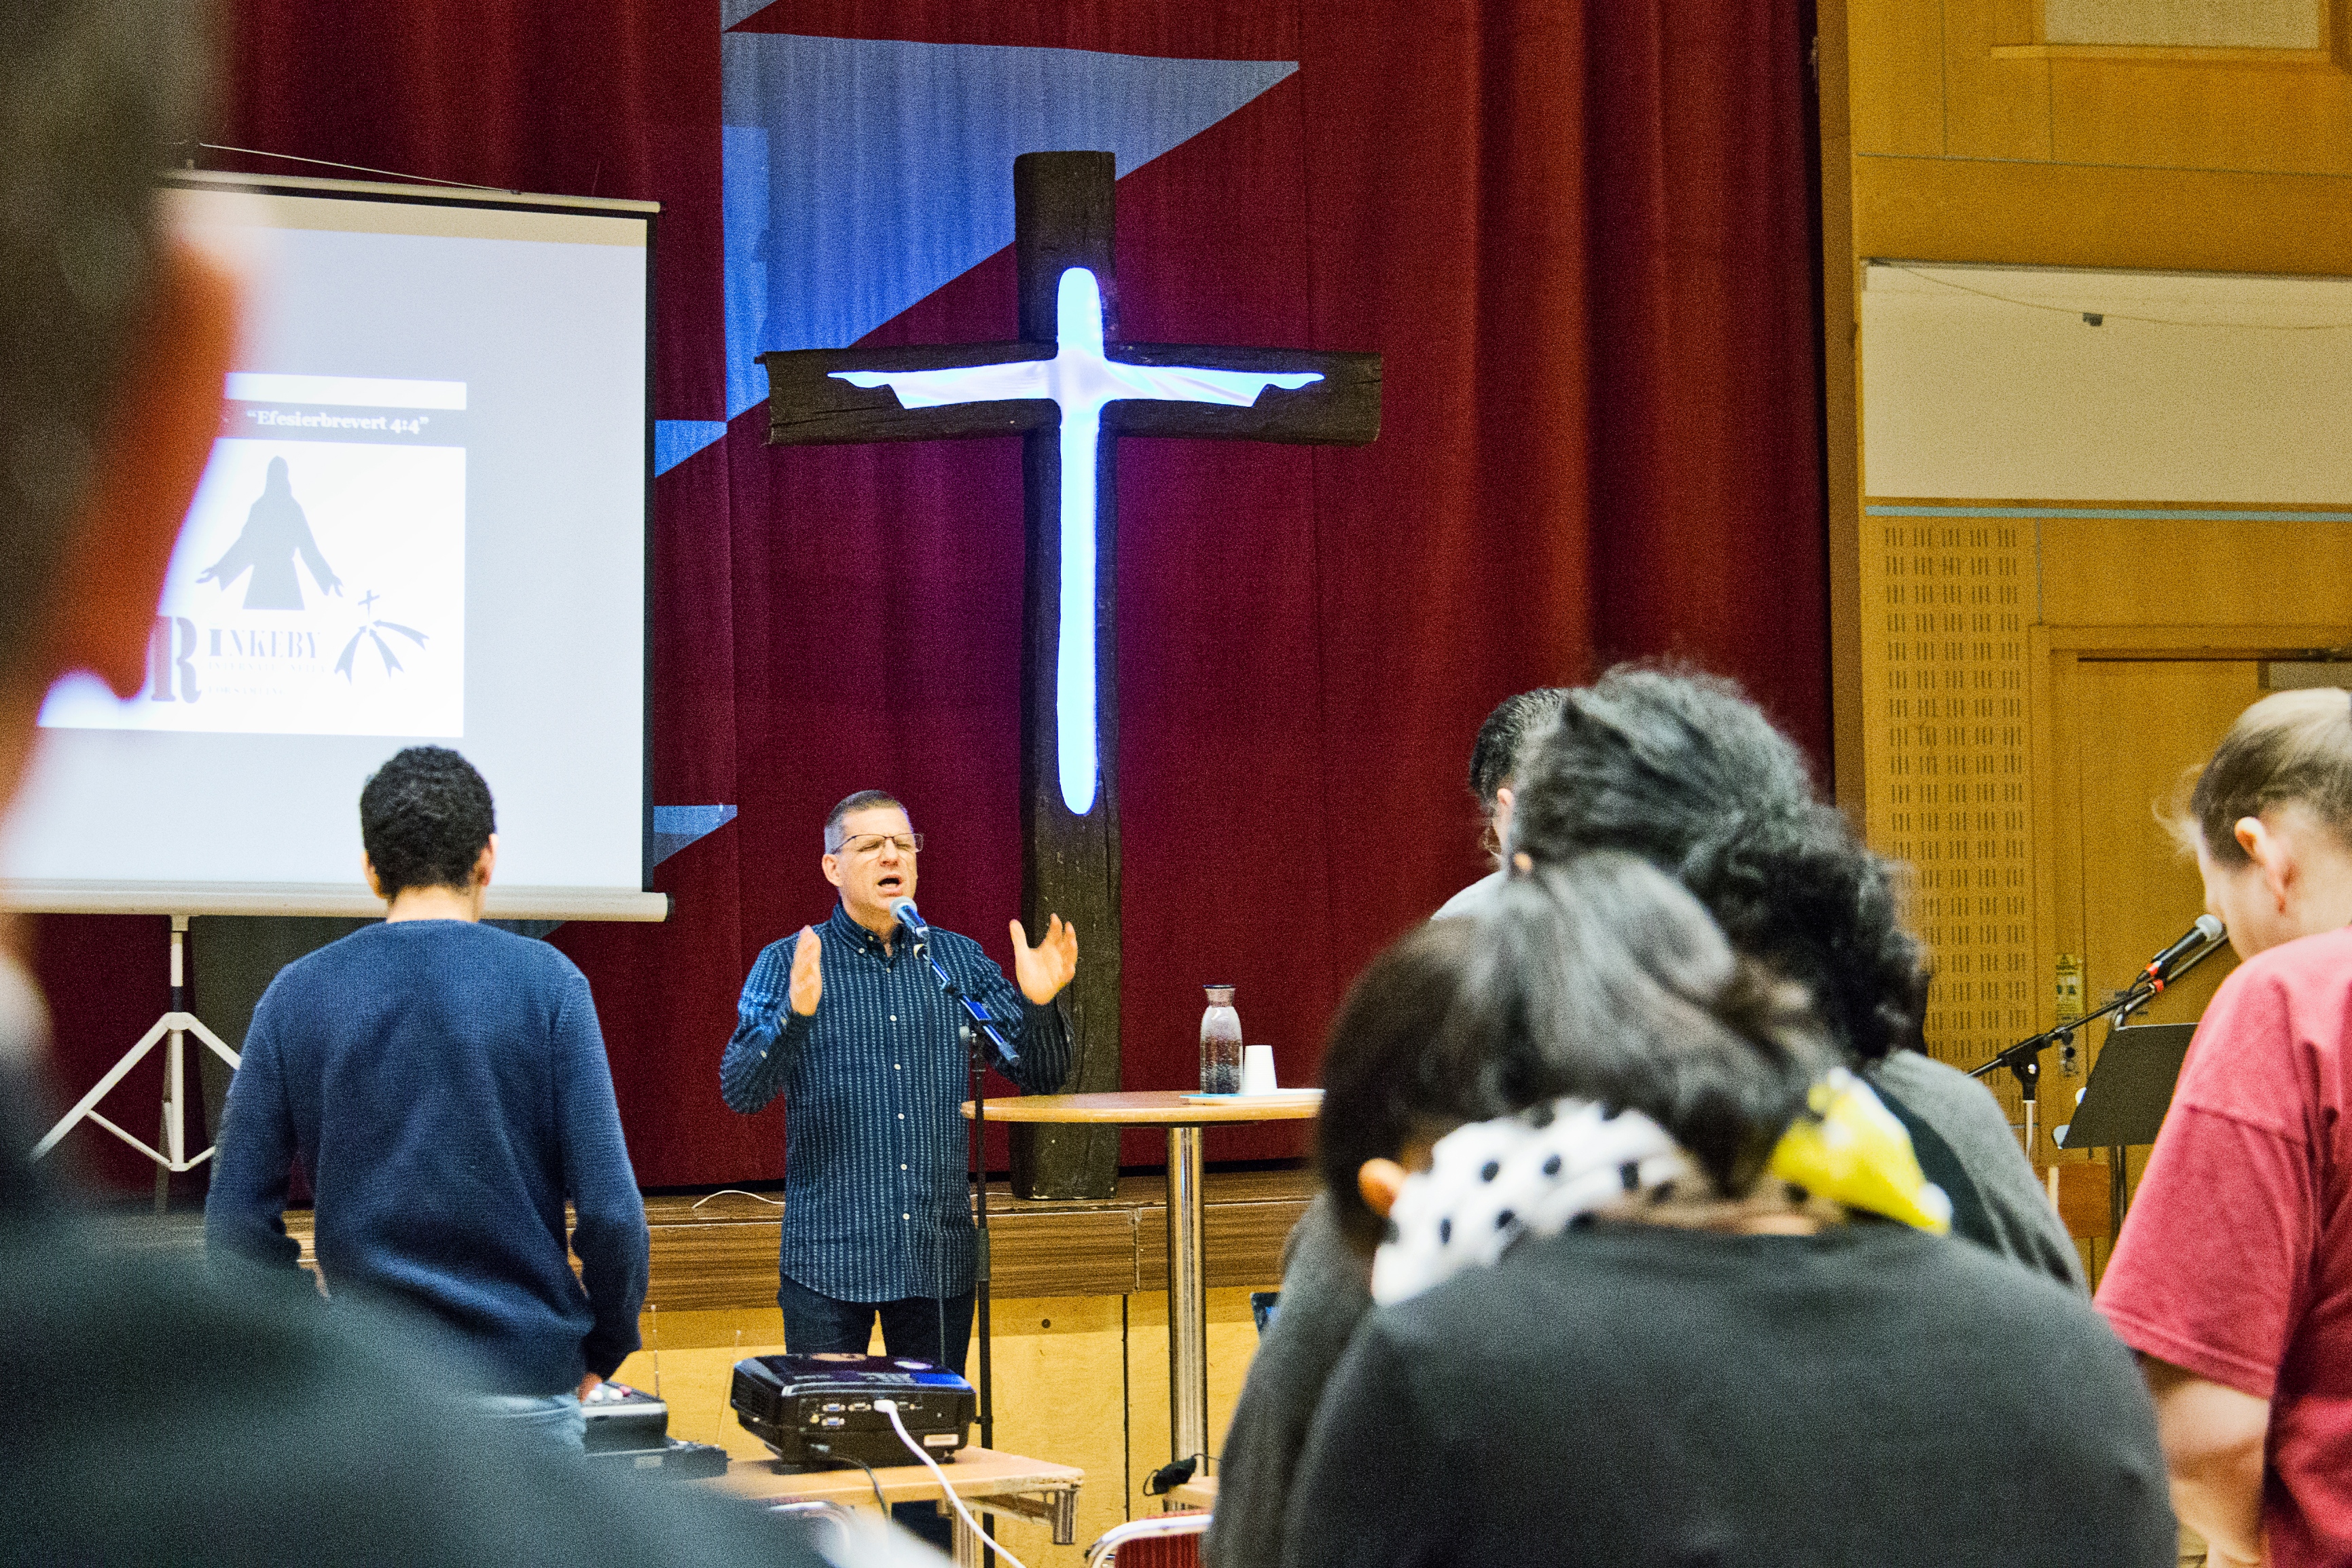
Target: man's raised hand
[1042, 971]
[808, 979]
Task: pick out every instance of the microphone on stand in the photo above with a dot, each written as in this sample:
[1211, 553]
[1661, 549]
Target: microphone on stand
[2196, 945]
[2170, 963]
[911, 922]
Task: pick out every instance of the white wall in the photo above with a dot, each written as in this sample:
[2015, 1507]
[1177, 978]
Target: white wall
[1983, 383]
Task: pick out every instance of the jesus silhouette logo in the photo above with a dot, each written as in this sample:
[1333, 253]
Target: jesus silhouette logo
[275, 531]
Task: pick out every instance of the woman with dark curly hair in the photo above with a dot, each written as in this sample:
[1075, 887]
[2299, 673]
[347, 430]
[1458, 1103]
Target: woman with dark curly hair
[1682, 769]
[1622, 1318]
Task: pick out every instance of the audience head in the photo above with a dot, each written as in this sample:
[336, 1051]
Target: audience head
[1599, 978]
[113, 341]
[1495, 755]
[2269, 819]
[1388, 1090]
[1683, 771]
[426, 821]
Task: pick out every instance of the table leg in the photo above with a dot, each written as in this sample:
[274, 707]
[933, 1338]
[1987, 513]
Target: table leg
[966, 1542]
[1188, 1301]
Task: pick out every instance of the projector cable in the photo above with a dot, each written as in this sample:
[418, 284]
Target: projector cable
[890, 1408]
[872, 1479]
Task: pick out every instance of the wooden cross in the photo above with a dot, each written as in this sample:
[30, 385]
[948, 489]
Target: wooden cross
[1070, 389]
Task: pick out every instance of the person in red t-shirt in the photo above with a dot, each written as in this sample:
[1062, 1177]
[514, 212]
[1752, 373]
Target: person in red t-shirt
[2233, 1278]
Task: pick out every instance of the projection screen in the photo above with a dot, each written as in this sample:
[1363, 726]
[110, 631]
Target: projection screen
[425, 520]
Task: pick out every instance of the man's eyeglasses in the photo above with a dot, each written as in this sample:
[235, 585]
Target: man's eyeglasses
[865, 844]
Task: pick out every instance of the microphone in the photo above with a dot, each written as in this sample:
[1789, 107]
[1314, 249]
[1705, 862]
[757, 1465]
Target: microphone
[916, 927]
[2165, 964]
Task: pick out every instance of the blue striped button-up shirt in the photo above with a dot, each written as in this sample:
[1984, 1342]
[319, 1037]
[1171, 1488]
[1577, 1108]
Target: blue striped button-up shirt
[877, 1204]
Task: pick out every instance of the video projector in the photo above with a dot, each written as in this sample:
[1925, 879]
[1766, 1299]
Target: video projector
[817, 1411]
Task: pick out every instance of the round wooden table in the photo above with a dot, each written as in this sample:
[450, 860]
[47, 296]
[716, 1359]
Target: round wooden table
[1185, 1115]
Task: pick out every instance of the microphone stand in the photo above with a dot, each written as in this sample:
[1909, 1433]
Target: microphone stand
[2024, 1058]
[976, 1024]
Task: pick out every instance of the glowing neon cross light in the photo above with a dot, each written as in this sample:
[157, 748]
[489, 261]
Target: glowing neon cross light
[1082, 379]
[1070, 387]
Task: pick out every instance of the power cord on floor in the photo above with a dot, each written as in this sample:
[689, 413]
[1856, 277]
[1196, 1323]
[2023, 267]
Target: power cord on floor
[739, 1192]
[890, 1408]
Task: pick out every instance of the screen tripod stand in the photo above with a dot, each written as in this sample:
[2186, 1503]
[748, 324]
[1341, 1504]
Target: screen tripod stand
[172, 1029]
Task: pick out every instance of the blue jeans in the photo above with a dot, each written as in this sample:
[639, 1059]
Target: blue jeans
[817, 1324]
[934, 1331]
[554, 1419]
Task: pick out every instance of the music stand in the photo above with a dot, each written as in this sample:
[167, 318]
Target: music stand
[2130, 1090]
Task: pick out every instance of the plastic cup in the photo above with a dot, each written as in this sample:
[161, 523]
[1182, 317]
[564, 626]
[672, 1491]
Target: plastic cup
[1257, 1069]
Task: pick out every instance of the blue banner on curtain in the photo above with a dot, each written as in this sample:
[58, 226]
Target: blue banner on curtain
[861, 175]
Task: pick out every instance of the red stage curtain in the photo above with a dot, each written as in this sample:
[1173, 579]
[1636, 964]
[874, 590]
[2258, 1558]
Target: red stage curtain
[1578, 232]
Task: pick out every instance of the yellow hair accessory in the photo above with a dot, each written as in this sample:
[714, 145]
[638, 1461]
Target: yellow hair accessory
[1849, 1148]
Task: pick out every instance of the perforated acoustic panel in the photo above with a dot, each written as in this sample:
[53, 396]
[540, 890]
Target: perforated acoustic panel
[1949, 767]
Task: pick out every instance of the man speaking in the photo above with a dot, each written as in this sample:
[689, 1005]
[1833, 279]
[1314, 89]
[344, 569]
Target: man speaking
[847, 1022]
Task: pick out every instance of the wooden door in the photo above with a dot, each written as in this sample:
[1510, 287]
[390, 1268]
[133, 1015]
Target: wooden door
[2126, 730]
[2141, 724]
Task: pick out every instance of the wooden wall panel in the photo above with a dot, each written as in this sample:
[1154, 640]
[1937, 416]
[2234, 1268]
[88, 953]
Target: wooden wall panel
[1944, 683]
[1243, 1241]
[1062, 1394]
[1994, 106]
[1969, 79]
[1895, 55]
[1232, 1339]
[2196, 573]
[2252, 117]
[723, 1259]
[1076, 1254]
[712, 1268]
[2071, 215]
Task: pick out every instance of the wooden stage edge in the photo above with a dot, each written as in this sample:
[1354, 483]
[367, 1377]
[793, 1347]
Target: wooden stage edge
[721, 1256]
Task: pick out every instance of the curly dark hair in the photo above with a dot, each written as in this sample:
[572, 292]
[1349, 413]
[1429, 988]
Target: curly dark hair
[1680, 769]
[425, 818]
[1601, 978]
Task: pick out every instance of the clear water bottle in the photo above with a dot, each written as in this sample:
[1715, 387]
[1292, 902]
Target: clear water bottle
[1221, 1044]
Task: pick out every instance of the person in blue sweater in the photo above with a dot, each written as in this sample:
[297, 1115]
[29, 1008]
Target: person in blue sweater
[443, 1084]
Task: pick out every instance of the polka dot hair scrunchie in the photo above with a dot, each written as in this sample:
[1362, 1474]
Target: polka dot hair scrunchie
[1490, 1183]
